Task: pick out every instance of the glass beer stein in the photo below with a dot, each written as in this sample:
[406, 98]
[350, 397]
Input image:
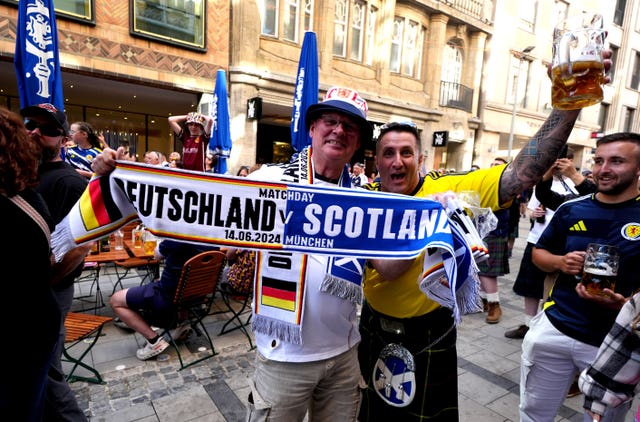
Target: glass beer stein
[600, 268]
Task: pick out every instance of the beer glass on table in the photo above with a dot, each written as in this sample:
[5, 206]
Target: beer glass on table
[577, 69]
[600, 268]
[149, 243]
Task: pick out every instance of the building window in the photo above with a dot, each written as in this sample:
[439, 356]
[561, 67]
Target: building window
[290, 21]
[357, 30]
[353, 26]
[76, 10]
[171, 21]
[452, 63]
[406, 47]
[618, 14]
[308, 15]
[527, 11]
[412, 52]
[518, 80]
[269, 17]
[614, 59]
[396, 45]
[340, 28]
[371, 34]
[281, 19]
[635, 72]
[603, 115]
[628, 119]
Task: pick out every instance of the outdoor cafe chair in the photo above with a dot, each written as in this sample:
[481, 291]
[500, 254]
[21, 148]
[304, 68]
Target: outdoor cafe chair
[82, 329]
[194, 296]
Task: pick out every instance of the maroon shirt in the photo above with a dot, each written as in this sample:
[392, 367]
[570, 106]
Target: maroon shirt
[193, 151]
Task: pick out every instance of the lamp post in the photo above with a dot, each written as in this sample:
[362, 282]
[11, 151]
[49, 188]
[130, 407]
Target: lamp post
[521, 56]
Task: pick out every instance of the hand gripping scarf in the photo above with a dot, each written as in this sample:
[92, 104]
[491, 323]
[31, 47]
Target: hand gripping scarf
[279, 217]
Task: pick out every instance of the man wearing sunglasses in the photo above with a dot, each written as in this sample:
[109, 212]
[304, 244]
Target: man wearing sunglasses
[61, 187]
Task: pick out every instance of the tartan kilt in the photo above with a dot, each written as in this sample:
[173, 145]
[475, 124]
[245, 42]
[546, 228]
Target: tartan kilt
[436, 370]
[498, 262]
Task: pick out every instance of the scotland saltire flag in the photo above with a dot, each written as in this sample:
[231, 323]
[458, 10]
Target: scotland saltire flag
[306, 91]
[220, 141]
[36, 58]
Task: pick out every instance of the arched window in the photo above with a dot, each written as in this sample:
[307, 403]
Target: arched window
[452, 63]
[407, 43]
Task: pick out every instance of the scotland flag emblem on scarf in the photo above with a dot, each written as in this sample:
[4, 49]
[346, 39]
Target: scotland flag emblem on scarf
[36, 58]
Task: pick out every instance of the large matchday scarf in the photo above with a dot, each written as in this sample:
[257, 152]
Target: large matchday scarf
[233, 211]
[279, 217]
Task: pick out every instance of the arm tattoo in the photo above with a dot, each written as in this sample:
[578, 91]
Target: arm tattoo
[538, 155]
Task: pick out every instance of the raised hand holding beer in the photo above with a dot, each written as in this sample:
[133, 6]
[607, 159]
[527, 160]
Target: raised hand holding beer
[578, 65]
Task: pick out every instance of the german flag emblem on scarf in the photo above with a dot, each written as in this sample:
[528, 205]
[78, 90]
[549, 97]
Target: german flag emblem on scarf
[97, 207]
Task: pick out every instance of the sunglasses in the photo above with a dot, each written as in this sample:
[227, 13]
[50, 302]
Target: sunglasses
[406, 126]
[46, 129]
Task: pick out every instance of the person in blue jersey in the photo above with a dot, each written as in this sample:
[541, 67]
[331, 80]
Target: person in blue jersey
[86, 148]
[564, 339]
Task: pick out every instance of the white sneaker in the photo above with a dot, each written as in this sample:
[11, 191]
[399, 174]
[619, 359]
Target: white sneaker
[181, 332]
[150, 350]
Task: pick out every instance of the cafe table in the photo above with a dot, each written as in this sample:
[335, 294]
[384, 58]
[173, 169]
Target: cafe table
[137, 259]
[97, 261]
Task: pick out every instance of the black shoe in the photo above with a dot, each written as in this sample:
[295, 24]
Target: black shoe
[517, 332]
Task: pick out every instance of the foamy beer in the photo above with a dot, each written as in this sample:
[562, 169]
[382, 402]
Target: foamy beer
[600, 268]
[577, 71]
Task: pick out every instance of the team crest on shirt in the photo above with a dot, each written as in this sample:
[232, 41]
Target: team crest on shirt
[394, 375]
[631, 231]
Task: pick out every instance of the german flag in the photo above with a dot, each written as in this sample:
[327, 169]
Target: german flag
[97, 207]
[279, 294]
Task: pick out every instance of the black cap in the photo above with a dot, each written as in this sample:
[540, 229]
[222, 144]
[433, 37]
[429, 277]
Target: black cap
[50, 112]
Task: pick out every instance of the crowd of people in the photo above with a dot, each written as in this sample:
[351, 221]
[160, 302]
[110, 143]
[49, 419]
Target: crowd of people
[393, 354]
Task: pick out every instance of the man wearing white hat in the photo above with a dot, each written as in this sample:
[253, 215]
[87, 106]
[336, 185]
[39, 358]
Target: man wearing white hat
[305, 326]
[311, 367]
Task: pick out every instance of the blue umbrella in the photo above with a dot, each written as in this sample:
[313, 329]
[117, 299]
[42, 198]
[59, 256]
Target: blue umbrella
[306, 91]
[36, 59]
[220, 142]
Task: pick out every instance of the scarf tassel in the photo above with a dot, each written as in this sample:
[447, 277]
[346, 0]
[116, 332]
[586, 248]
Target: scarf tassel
[63, 240]
[282, 330]
[341, 288]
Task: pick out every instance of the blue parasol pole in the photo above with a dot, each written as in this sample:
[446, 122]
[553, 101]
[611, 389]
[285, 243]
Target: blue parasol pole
[306, 91]
[220, 141]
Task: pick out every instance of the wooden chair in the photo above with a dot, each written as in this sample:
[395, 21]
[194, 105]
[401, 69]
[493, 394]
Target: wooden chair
[194, 296]
[81, 327]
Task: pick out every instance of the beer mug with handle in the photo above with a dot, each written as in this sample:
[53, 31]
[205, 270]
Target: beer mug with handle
[600, 268]
[577, 70]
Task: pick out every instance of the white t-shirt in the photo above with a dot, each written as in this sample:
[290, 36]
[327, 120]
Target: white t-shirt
[557, 186]
[329, 325]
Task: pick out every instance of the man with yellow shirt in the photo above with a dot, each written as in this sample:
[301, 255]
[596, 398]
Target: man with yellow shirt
[408, 352]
